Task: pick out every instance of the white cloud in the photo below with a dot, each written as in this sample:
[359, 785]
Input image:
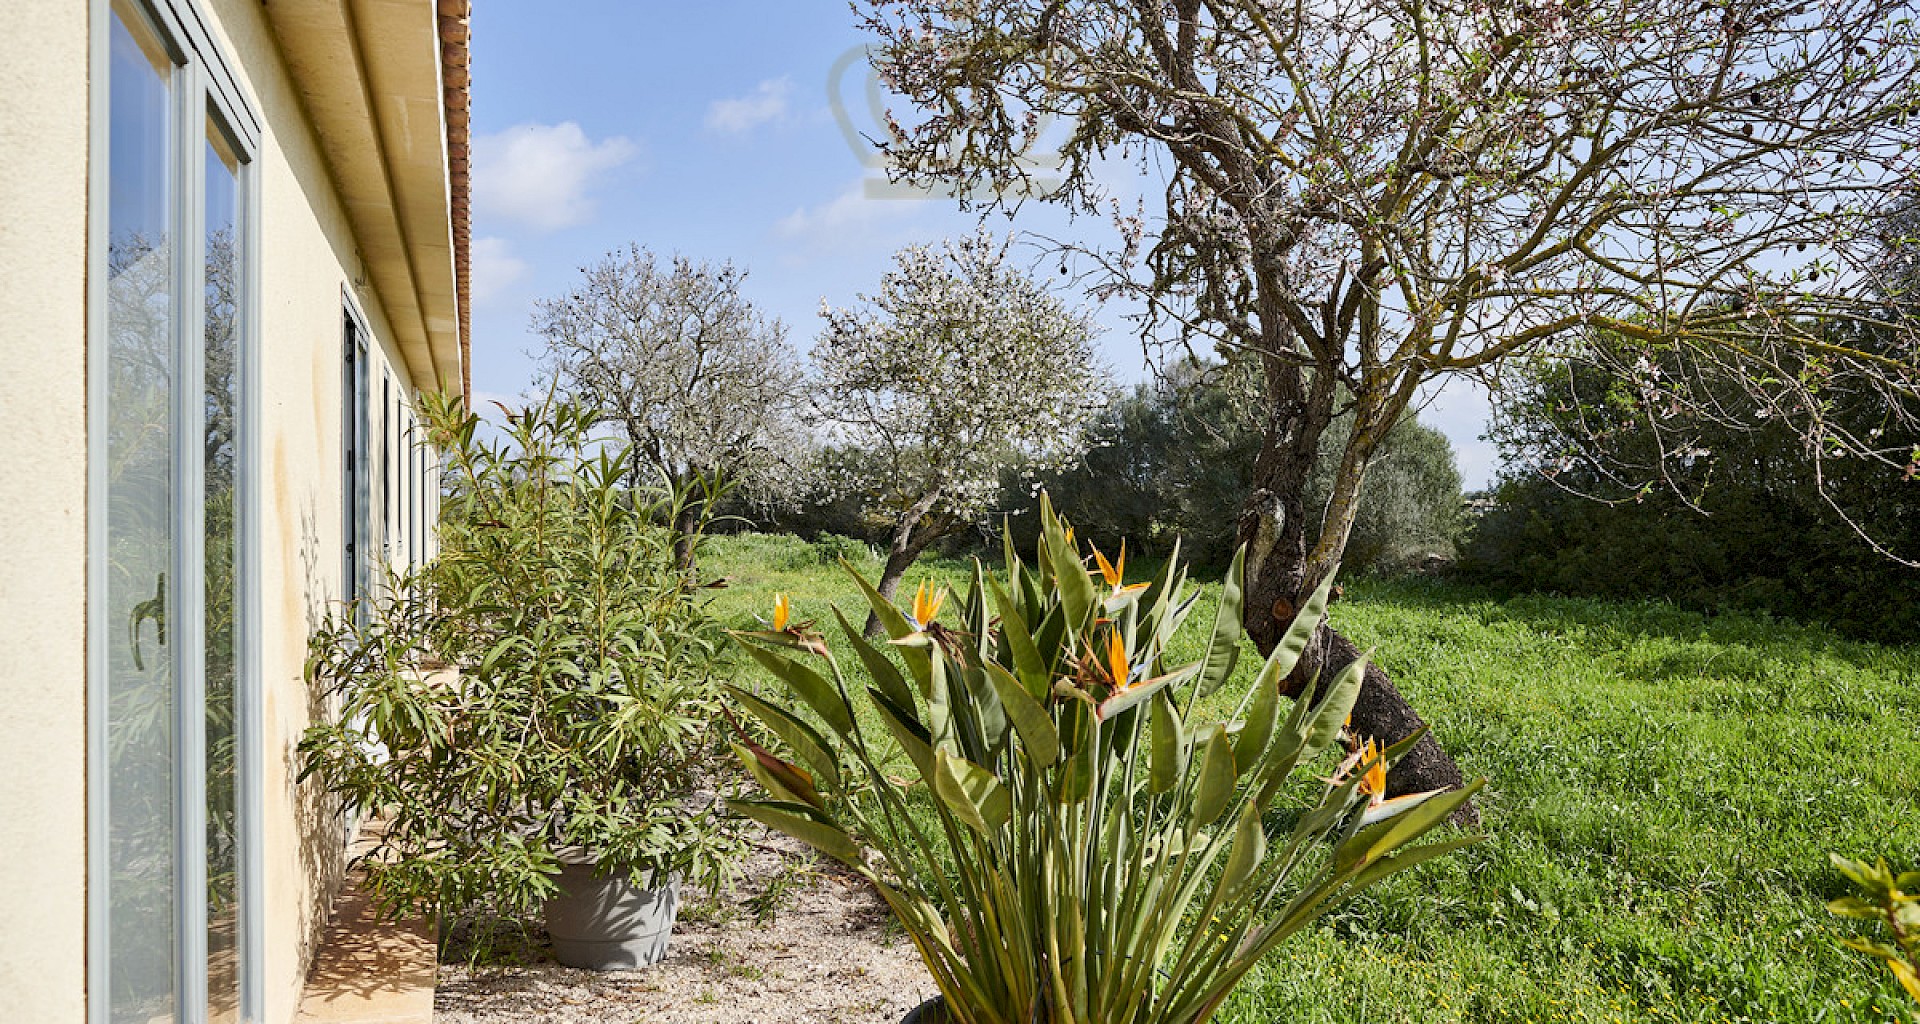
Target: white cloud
[538, 175]
[495, 267]
[851, 217]
[767, 102]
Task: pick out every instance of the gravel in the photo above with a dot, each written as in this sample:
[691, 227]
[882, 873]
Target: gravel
[828, 954]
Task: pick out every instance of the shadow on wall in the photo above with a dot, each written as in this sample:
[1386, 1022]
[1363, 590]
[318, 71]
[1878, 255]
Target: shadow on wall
[320, 826]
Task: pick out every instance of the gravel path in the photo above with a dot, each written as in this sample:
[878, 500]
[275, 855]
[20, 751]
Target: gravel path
[827, 955]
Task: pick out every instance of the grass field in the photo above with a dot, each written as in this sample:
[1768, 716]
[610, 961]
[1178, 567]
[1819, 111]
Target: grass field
[1664, 790]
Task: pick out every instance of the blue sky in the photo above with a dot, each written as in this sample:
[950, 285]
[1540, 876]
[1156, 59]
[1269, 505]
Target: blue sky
[711, 129]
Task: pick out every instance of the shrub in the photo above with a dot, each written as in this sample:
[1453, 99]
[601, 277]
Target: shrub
[546, 683]
[1077, 838]
[1894, 901]
[1176, 460]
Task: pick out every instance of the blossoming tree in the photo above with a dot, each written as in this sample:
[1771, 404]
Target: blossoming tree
[1372, 197]
[702, 385]
[961, 367]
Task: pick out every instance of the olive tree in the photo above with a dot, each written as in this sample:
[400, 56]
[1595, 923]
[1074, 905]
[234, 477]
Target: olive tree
[961, 367]
[703, 387]
[1369, 197]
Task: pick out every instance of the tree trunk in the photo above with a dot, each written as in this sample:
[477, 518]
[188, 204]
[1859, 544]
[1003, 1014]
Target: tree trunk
[686, 535]
[910, 537]
[1274, 527]
[897, 564]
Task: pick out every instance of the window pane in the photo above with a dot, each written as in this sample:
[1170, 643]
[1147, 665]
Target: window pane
[221, 447]
[140, 710]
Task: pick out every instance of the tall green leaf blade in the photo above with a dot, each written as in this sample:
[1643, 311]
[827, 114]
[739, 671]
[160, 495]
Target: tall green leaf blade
[1286, 654]
[1378, 840]
[1332, 713]
[1077, 595]
[1026, 657]
[1037, 732]
[809, 686]
[1215, 786]
[891, 618]
[885, 675]
[1223, 649]
[1249, 849]
[971, 792]
[796, 734]
[1169, 751]
[792, 820]
[1261, 719]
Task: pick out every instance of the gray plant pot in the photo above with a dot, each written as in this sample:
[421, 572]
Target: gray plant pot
[933, 1011]
[608, 923]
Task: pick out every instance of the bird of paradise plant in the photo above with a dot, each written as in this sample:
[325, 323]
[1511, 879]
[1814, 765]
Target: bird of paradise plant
[1082, 842]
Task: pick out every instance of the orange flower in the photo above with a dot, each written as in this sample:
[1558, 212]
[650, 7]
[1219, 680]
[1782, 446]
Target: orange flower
[926, 603]
[782, 610]
[1115, 573]
[1117, 667]
[1373, 784]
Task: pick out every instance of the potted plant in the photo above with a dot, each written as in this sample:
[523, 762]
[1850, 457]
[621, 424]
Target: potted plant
[529, 712]
[1069, 824]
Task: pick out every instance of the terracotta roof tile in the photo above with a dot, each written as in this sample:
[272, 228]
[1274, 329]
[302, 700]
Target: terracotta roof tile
[456, 33]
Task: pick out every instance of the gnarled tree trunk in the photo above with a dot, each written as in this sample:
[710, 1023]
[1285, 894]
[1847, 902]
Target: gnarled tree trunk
[1274, 525]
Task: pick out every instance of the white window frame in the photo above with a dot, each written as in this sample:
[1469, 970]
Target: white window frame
[206, 88]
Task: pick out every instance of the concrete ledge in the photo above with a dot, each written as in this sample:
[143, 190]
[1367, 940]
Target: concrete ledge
[369, 971]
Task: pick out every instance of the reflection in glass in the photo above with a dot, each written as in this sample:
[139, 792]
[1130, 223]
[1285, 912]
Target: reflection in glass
[219, 449]
[138, 373]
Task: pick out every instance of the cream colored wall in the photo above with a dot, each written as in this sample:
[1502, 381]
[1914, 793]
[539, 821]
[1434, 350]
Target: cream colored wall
[307, 258]
[43, 224]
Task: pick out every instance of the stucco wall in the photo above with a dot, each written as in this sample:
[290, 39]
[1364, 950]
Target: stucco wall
[308, 260]
[43, 224]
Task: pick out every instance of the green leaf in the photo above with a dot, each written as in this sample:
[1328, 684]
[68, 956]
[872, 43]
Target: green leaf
[796, 734]
[1076, 779]
[1169, 751]
[1875, 877]
[885, 675]
[1286, 654]
[914, 739]
[1249, 849]
[809, 686]
[1127, 698]
[1077, 595]
[971, 792]
[1332, 713]
[794, 820]
[1261, 719]
[1037, 733]
[781, 780]
[1410, 859]
[1026, 657]
[1378, 840]
[1853, 906]
[1217, 772]
[1223, 650]
[891, 618]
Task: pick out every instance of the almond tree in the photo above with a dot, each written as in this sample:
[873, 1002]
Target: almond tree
[961, 367]
[1369, 196]
[703, 386]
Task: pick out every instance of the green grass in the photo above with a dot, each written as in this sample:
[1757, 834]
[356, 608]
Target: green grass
[1665, 788]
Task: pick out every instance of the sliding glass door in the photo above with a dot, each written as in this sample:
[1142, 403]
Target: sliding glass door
[169, 623]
